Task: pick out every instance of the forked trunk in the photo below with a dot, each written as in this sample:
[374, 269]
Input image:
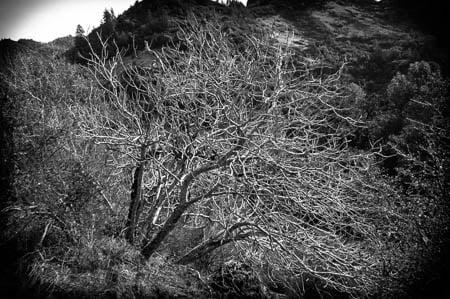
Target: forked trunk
[184, 203]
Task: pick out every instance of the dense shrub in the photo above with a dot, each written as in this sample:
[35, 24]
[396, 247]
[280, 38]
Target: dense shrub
[411, 125]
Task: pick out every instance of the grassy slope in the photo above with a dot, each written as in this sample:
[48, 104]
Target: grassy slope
[345, 32]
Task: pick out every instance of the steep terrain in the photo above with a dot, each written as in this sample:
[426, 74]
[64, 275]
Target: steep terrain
[342, 31]
[371, 94]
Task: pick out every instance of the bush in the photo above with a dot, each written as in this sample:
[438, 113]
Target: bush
[182, 127]
[414, 129]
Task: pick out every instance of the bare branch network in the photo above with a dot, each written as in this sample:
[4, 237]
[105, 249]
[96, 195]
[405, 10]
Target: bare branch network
[241, 140]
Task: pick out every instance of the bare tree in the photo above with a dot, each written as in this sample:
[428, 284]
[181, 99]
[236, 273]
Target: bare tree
[241, 140]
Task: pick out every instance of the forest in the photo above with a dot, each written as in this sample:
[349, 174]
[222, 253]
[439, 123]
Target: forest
[283, 149]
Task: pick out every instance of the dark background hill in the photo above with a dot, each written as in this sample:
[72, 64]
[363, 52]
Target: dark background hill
[431, 16]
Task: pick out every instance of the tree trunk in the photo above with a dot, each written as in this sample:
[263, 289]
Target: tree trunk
[156, 198]
[201, 250]
[207, 247]
[151, 246]
[135, 203]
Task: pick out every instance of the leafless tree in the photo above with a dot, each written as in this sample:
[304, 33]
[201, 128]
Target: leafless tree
[241, 140]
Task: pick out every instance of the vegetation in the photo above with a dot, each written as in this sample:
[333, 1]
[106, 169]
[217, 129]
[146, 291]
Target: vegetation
[232, 165]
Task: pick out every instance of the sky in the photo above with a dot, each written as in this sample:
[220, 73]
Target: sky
[45, 20]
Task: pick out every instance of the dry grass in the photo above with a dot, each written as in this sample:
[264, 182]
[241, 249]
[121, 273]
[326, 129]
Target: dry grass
[110, 267]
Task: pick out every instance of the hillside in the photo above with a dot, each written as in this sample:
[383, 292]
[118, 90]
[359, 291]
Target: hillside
[190, 149]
